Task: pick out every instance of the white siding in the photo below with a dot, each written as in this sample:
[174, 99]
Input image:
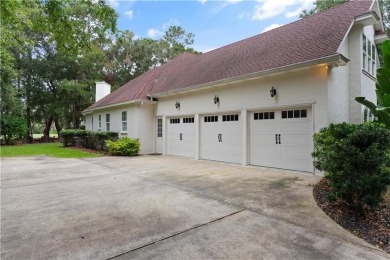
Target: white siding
[146, 128]
[293, 88]
[338, 91]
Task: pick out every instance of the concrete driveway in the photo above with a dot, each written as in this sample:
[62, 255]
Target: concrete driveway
[164, 207]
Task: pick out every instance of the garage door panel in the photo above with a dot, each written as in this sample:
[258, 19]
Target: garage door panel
[294, 151]
[221, 140]
[262, 139]
[294, 126]
[181, 138]
[299, 139]
[291, 150]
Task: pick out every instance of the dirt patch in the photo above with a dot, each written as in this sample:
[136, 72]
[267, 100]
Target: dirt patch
[373, 227]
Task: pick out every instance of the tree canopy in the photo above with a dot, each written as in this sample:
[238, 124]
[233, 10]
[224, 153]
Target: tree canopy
[53, 51]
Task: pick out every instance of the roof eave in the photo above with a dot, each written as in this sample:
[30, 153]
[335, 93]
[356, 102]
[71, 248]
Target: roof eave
[380, 38]
[370, 18]
[332, 61]
[129, 102]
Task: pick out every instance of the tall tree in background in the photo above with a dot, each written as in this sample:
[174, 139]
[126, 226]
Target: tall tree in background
[129, 57]
[54, 51]
[46, 40]
[320, 6]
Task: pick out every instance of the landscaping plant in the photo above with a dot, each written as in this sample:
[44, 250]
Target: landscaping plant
[124, 146]
[382, 110]
[87, 139]
[356, 162]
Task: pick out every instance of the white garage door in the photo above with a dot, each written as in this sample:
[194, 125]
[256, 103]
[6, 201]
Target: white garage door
[181, 136]
[220, 138]
[281, 139]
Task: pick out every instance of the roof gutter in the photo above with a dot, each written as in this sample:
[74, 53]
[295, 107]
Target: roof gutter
[136, 101]
[331, 61]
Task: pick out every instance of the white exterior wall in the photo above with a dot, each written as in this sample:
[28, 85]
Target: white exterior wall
[360, 84]
[146, 132]
[88, 122]
[307, 87]
[140, 123]
[367, 88]
[338, 90]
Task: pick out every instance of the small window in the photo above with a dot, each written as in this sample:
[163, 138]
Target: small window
[228, 118]
[124, 121]
[100, 121]
[210, 119]
[188, 120]
[159, 127]
[294, 113]
[175, 120]
[92, 123]
[108, 122]
[264, 116]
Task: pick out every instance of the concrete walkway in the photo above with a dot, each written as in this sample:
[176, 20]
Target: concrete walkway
[167, 208]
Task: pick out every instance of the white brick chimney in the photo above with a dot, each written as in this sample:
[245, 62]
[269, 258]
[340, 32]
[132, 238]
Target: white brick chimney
[102, 90]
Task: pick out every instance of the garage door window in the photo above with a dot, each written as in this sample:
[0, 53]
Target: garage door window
[209, 119]
[264, 115]
[175, 121]
[294, 114]
[188, 120]
[229, 118]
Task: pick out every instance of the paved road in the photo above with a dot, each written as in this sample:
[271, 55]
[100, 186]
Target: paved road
[164, 207]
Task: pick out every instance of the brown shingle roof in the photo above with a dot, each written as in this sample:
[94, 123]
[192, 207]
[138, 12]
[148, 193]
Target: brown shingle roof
[314, 37]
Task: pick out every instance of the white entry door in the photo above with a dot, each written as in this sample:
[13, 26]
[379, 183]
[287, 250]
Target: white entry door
[281, 139]
[159, 135]
[181, 136]
[221, 138]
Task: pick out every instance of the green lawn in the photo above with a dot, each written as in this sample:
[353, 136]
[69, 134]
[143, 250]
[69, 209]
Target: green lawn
[49, 149]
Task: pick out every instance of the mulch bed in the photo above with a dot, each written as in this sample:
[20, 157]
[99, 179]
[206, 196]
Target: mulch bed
[373, 227]
[87, 150]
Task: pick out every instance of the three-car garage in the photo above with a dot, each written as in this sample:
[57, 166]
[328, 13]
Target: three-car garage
[279, 138]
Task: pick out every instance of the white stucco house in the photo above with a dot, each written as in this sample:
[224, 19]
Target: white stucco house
[257, 101]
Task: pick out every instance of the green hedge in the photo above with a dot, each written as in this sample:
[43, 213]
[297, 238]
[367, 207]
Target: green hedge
[356, 161]
[124, 146]
[87, 139]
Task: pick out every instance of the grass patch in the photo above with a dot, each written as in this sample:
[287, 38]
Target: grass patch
[48, 149]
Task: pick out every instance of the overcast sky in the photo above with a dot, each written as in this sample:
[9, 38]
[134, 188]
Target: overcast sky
[214, 23]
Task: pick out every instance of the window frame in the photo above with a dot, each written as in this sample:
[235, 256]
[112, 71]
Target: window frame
[124, 121]
[369, 55]
[108, 119]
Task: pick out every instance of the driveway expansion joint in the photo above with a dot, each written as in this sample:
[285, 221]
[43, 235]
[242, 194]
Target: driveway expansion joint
[178, 233]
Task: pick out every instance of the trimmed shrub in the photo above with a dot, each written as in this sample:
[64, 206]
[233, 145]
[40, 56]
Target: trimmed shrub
[356, 161]
[124, 146]
[87, 139]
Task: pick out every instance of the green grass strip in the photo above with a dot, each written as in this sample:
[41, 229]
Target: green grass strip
[49, 149]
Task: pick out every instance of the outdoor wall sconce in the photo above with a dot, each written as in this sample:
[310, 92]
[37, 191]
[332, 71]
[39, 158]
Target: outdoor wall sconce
[216, 99]
[272, 92]
[332, 65]
[177, 104]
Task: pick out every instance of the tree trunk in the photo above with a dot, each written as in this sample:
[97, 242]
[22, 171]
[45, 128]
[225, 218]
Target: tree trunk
[58, 127]
[46, 131]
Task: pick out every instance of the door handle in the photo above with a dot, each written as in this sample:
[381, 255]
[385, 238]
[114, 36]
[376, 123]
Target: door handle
[219, 138]
[279, 139]
[181, 136]
[276, 138]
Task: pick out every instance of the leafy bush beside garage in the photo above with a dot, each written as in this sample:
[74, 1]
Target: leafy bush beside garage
[124, 146]
[356, 161]
[87, 139]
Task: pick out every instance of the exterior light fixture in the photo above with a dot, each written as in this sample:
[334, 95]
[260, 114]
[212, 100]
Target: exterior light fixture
[216, 99]
[177, 104]
[272, 92]
[332, 65]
